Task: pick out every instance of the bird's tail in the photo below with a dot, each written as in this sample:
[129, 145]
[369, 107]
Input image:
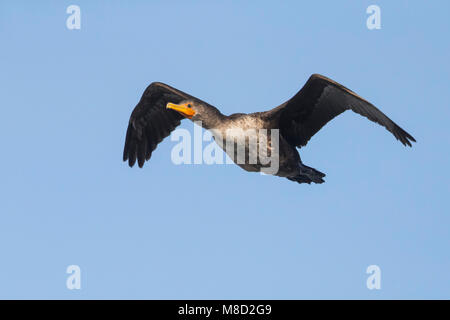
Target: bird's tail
[308, 175]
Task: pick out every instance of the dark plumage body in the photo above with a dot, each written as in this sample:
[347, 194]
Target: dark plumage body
[289, 161]
[297, 120]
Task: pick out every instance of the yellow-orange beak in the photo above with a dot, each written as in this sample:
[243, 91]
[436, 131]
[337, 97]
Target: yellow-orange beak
[182, 108]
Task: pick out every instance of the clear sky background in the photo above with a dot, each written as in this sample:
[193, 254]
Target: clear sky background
[199, 231]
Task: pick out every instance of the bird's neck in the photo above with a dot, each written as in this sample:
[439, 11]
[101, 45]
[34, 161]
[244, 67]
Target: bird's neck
[214, 119]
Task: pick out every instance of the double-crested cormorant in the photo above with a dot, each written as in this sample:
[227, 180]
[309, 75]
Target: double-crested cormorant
[162, 107]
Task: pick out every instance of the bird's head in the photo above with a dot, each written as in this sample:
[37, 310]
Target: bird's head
[196, 111]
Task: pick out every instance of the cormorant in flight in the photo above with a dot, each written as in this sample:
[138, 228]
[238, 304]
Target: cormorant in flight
[162, 107]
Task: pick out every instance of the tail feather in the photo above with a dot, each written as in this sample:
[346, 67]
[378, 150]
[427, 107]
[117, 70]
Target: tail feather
[308, 175]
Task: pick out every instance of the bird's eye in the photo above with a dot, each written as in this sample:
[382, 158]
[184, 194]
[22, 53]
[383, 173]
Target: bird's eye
[189, 105]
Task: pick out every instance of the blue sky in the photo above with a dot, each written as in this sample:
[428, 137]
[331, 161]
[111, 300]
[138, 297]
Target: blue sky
[199, 231]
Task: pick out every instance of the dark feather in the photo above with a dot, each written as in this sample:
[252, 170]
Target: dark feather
[319, 101]
[150, 122]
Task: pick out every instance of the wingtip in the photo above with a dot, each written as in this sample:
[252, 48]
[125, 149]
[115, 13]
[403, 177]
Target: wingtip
[409, 139]
[131, 162]
[404, 137]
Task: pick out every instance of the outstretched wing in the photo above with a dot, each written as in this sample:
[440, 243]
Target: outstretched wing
[319, 101]
[151, 122]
